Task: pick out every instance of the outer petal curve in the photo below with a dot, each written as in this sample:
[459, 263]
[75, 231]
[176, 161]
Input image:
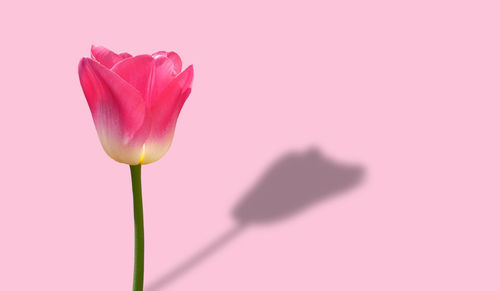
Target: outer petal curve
[164, 113]
[120, 116]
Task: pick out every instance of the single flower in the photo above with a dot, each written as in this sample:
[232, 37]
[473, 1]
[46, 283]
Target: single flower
[135, 101]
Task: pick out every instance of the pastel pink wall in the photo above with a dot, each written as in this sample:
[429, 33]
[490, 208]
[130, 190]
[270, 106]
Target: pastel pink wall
[407, 92]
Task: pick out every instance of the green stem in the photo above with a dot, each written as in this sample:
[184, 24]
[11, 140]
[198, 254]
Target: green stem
[138, 283]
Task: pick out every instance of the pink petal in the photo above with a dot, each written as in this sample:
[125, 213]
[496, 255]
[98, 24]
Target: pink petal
[173, 57]
[169, 104]
[176, 60]
[164, 113]
[148, 74]
[160, 53]
[125, 55]
[164, 73]
[121, 118]
[137, 71]
[107, 57]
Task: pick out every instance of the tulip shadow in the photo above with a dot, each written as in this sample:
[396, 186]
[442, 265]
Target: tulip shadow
[292, 184]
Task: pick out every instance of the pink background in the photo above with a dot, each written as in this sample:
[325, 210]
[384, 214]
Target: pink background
[408, 91]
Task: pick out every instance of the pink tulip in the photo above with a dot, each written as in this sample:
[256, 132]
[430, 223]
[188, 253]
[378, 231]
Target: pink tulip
[135, 101]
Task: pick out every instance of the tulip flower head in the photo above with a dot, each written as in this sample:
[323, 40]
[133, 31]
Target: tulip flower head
[135, 101]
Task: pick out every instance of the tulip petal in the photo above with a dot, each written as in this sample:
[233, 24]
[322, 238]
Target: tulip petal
[173, 57]
[107, 57]
[120, 116]
[137, 72]
[164, 73]
[176, 60]
[125, 55]
[164, 113]
[160, 53]
[148, 74]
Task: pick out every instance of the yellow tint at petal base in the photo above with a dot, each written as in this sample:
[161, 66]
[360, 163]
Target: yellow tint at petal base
[143, 154]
